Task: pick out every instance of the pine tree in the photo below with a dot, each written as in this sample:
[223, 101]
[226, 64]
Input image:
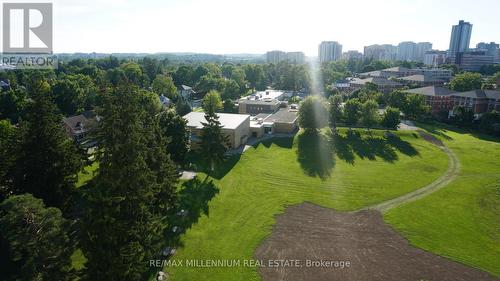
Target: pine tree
[48, 161]
[35, 240]
[174, 127]
[213, 142]
[132, 192]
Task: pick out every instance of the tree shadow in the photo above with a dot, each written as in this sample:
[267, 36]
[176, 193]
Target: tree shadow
[441, 132]
[315, 154]
[197, 163]
[348, 146]
[194, 197]
[284, 142]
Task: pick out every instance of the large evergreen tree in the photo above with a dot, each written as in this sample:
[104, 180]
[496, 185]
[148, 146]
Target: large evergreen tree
[213, 141]
[132, 192]
[48, 161]
[35, 241]
[174, 127]
[8, 143]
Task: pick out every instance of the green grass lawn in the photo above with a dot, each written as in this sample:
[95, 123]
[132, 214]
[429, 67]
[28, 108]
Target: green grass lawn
[462, 220]
[242, 204]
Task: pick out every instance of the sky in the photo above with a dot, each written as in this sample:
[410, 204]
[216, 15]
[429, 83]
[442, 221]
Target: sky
[257, 26]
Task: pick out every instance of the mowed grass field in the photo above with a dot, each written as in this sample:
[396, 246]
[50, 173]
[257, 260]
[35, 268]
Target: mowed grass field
[462, 220]
[241, 205]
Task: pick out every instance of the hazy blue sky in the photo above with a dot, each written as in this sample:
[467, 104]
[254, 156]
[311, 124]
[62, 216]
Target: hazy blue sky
[256, 26]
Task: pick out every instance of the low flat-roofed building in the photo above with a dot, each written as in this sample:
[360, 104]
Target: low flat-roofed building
[256, 106]
[284, 120]
[400, 71]
[235, 126]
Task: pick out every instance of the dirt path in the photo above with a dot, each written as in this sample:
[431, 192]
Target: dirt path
[349, 246]
[449, 176]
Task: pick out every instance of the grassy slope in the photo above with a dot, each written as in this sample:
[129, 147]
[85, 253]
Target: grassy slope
[77, 259]
[269, 177]
[461, 221]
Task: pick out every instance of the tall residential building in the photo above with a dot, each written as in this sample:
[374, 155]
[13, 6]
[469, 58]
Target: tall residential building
[434, 57]
[296, 57]
[275, 57]
[329, 51]
[352, 54]
[407, 51]
[381, 52]
[422, 47]
[280, 56]
[460, 38]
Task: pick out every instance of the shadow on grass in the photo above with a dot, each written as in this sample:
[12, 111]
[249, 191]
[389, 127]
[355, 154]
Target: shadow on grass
[347, 146]
[221, 169]
[283, 142]
[193, 199]
[315, 154]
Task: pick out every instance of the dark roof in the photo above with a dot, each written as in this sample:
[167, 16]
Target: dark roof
[431, 91]
[87, 119]
[421, 78]
[284, 115]
[375, 73]
[397, 69]
[490, 94]
[379, 81]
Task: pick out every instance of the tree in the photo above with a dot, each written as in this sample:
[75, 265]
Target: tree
[466, 81]
[397, 99]
[490, 122]
[164, 85]
[36, 240]
[313, 113]
[133, 72]
[415, 107]
[213, 142]
[48, 161]
[462, 116]
[369, 115]
[238, 75]
[229, 107]
[335, 109]
[212, 102]
[231, 90]
[174, 127]
[255, 76]
[183, 75]
[391, 118]
[74, 93]
[8, 143]
[352, 111]
[134, 187]
[13, 104]
[182, 107]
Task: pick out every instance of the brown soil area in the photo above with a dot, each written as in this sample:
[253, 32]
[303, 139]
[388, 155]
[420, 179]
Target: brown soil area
[430, 138]
[373, 249]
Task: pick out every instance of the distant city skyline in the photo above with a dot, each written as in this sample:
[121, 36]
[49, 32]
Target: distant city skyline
[258, 26]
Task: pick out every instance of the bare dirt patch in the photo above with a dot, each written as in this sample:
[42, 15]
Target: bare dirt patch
[373, 250]
[430, 138]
